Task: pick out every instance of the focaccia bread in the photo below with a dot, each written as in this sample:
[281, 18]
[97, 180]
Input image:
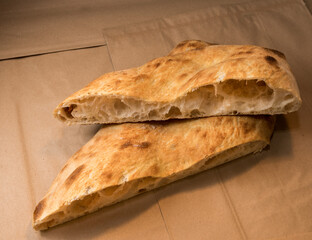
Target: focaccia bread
[196, 79]
[124, 160]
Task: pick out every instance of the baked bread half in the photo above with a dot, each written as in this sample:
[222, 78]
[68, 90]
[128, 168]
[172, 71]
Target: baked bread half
[124, 160]
[196, 79]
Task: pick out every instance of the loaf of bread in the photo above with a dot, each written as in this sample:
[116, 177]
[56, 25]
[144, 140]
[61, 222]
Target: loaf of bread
[196, 79]
[124, 160]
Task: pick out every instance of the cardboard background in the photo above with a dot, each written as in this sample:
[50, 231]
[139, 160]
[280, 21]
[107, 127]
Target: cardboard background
[35, 27]
[265, 196]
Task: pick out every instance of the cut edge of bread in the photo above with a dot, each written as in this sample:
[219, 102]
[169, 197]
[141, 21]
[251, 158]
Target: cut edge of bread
[253, 98]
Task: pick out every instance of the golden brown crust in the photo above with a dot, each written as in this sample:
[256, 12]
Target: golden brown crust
[123, 160]
[148, 92]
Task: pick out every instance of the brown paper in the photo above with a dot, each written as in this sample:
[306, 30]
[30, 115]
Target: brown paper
[265, 196]
[36, 27]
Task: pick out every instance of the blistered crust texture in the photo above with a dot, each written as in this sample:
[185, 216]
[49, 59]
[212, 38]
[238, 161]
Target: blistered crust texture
[196, 79]
[124, 160]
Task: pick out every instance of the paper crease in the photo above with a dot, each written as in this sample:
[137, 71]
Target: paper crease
[25, 153]
[231, 205]
[162, 216]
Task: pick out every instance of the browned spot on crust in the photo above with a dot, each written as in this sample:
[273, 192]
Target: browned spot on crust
[204, 135]
[156, 65]
[278, 53]
[271, 60]
[39, 208]
[193, 44]
[199, 48]
[181, 44]
[155, 169]
[197, 130]
[247, 128]
[197, 44]
[220, 137]
[169, 60]
[212, 148]
[183, 75]
[74, 175]
[107, 175]
[197, 76]
[140, 77]
[212, 43]
[125, 145]
[242, 52]
[185, 61]
[143, 145]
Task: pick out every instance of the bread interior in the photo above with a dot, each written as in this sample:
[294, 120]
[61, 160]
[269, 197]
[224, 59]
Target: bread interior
[230, 97]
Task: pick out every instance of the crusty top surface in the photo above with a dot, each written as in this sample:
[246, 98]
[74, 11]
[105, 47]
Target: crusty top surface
[125, 152]
[190, 65]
